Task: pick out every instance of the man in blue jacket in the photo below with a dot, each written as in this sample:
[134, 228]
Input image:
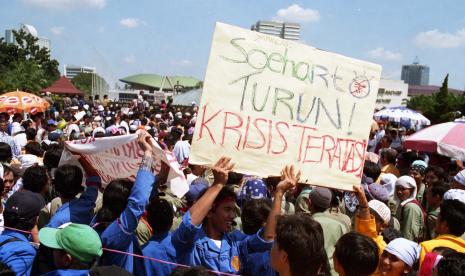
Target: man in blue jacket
[68, 180]
[21, 212]
[204, 236]
[75, 248]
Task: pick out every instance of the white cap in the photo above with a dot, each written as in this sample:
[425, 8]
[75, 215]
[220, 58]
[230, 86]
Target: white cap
[79, 115]
[97, 119]
[457, 194]
[86, 106]
[27, 160]
[381, 209]
[157, 116]
[74, 107]
[100, 108]
[98, 129]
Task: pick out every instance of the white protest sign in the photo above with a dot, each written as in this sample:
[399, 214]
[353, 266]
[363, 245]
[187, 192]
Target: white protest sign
[268, 102]
[120, 157]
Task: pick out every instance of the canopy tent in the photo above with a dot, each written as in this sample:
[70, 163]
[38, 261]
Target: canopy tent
[188, 98]
[63, 87]
[156, 82]
[402, 115]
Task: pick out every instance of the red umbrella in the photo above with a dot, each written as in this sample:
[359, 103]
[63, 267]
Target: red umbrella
[447, 139]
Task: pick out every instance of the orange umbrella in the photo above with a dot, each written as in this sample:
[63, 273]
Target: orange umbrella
[19, 101]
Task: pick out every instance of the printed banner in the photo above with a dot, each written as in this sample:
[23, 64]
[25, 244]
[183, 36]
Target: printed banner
[120, 157]
[268, 102]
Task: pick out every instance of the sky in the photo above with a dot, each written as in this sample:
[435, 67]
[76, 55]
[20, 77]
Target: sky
[127, 37]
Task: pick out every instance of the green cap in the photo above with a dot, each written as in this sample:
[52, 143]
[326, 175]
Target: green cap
[78, 240]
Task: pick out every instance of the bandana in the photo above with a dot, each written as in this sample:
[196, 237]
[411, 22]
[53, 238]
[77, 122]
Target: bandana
[253, 189]
[406, 250]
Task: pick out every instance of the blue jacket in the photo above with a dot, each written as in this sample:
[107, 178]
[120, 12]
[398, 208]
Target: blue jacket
[120, 234]
[18, 255]
[66, 272]
[258, 264]
[159, 247]
[79, 210]
[195, 248]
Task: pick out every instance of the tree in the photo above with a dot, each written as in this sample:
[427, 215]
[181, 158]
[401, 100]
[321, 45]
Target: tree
[83, 82]
[440, 107]
[26, 66]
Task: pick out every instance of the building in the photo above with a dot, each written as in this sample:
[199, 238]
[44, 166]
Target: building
[70, 71]
[28, 29]
[415, 74]
[392, 93]
[428, 90]
[290, 31]
[127, 95]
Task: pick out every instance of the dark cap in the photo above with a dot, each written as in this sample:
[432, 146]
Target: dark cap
[25, 204]
[197, 187]
[321, 197]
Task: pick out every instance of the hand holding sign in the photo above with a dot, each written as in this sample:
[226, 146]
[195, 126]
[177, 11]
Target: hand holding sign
[221, 169]
[289, 180]
[144, 142]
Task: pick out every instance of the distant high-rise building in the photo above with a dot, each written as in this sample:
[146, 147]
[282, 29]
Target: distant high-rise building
[284, 30]
[28, 29]
[70, 71]
[415, 74]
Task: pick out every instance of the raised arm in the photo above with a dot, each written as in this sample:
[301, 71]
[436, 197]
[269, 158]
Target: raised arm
[288, 182]
[363, 212]
[220, 172]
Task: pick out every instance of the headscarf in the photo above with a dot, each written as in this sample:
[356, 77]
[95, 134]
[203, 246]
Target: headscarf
[407, 182]
[406, 250]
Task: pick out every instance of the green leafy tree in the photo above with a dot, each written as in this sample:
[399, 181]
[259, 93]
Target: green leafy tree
[441, 106]
[26, 66]
[83, 82]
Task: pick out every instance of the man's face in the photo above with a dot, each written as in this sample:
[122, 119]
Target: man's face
[431, 178]
[223, 215]
[392, 265]
[403, 193]
[417, 176]
[61, 259]
[8, 182]
[3, 126]
[52, 128]
[384, 142]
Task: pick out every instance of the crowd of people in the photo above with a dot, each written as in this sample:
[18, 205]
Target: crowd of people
[406, 217]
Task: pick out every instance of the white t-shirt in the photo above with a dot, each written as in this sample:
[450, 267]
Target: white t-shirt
[217, 243]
